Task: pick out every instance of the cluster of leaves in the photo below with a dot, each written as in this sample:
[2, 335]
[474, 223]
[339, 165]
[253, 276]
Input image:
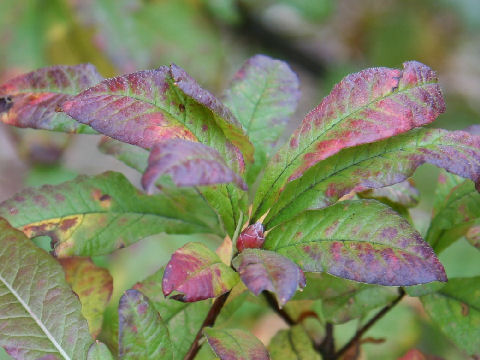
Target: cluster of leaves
[329, 214]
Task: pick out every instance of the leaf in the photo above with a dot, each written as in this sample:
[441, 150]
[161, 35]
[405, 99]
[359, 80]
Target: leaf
[95, 215]
[150, 106]
[263, 95]
[39, 314]
[403, 194]
[99, 351]
[415, 354]
[252, 237]
[142, 332]
[377, 165]
[93, 285]
[292, 344]
[132, 156]
[265, 270]
[344, 300]
[364, 240]
[234, 344]
[456, 215]
[197, 273]
[455, 308]
[33, 100]
[189, 164]
[364, 107]
[183, 320]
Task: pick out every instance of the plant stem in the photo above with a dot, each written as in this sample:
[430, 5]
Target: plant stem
[360, 332]
[209, 321]
[327, 347]
[274, 305]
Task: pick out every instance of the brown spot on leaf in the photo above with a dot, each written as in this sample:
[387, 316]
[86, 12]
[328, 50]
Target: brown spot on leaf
[465, 309]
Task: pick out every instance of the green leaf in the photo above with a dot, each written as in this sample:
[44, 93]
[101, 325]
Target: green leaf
[93, 285]
[362, 240]
[96, 215]
[456, 310]
[263, 95]
[99, 351]
[195, 272]
[457, 214]
[292, 344]
[343, 300]
[183, 320]
[403, 194]
[364, 107]
[39, 314]
[33, 100]
[235, 344]
[142, 332]
[376, 165]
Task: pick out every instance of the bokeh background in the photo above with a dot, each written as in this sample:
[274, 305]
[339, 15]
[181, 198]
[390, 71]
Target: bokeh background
[323, 40]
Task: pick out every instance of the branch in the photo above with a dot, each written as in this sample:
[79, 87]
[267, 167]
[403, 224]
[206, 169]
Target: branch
[360, 332]
[274, 305]
[208, 322]
[327, 347]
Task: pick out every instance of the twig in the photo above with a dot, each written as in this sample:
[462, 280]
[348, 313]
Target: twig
[274, 305]
[327, 347]
[360, 332]
[209, 321]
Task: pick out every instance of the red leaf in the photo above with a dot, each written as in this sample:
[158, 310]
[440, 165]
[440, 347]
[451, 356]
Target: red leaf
[189, 164]
[33, 100]
[415, 354]
[252, 237]
[265, 270]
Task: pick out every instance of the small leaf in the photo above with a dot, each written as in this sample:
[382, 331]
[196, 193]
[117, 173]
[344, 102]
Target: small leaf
[251, 237]
[99, 351]
[403, 194]
[39, 314]
[183, 320]
[292, 344]
[233, 344]
[150, 106]
[197, 273]
[263, 95]
[33, 100]
[265, 270]
[455, 308]
[364, 107]
[344, 300]
[93, 285]
[95, 215]
[362, 240]
[377, 165]
[189, 164]
[142, 332]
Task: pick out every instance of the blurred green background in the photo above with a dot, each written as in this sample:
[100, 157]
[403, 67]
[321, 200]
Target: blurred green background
[323, 40]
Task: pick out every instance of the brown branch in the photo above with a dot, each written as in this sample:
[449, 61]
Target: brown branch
[209, 321]
[360, 332]
[274, 305]
[327, 347]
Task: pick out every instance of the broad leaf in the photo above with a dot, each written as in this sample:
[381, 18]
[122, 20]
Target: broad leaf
[265, 270]
[455, 308]
[364, 107]
[403, 194]
[183, 320]
[99, 351]
[263, 95]
[142, 332]
[362, 240]
[96, 215]
[40, 316]
[132, 156]
[196, 273]
[343, 300]
[33, 100]
[189, 164]
[457, 214]
[155, 105]
[292, 344]
[93, 285]
[377, 165]
[233, 344]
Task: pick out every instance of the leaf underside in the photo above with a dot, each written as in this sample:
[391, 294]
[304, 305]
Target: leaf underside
[229, 344]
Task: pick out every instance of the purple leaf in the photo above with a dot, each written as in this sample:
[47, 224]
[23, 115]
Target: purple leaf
[197, 273]
[364, 240]
[33, 100]
[234, 344]
[189, 164]
[265, 270]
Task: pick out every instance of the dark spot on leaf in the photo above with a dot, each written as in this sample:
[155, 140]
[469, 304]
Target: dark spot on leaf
[105, 197]
[68, 223]
[181, 107]
[465, 309]
[5, 103]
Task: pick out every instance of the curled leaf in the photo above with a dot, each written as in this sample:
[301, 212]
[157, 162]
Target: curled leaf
[403, 194]
[251, 237]
[233, 344]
